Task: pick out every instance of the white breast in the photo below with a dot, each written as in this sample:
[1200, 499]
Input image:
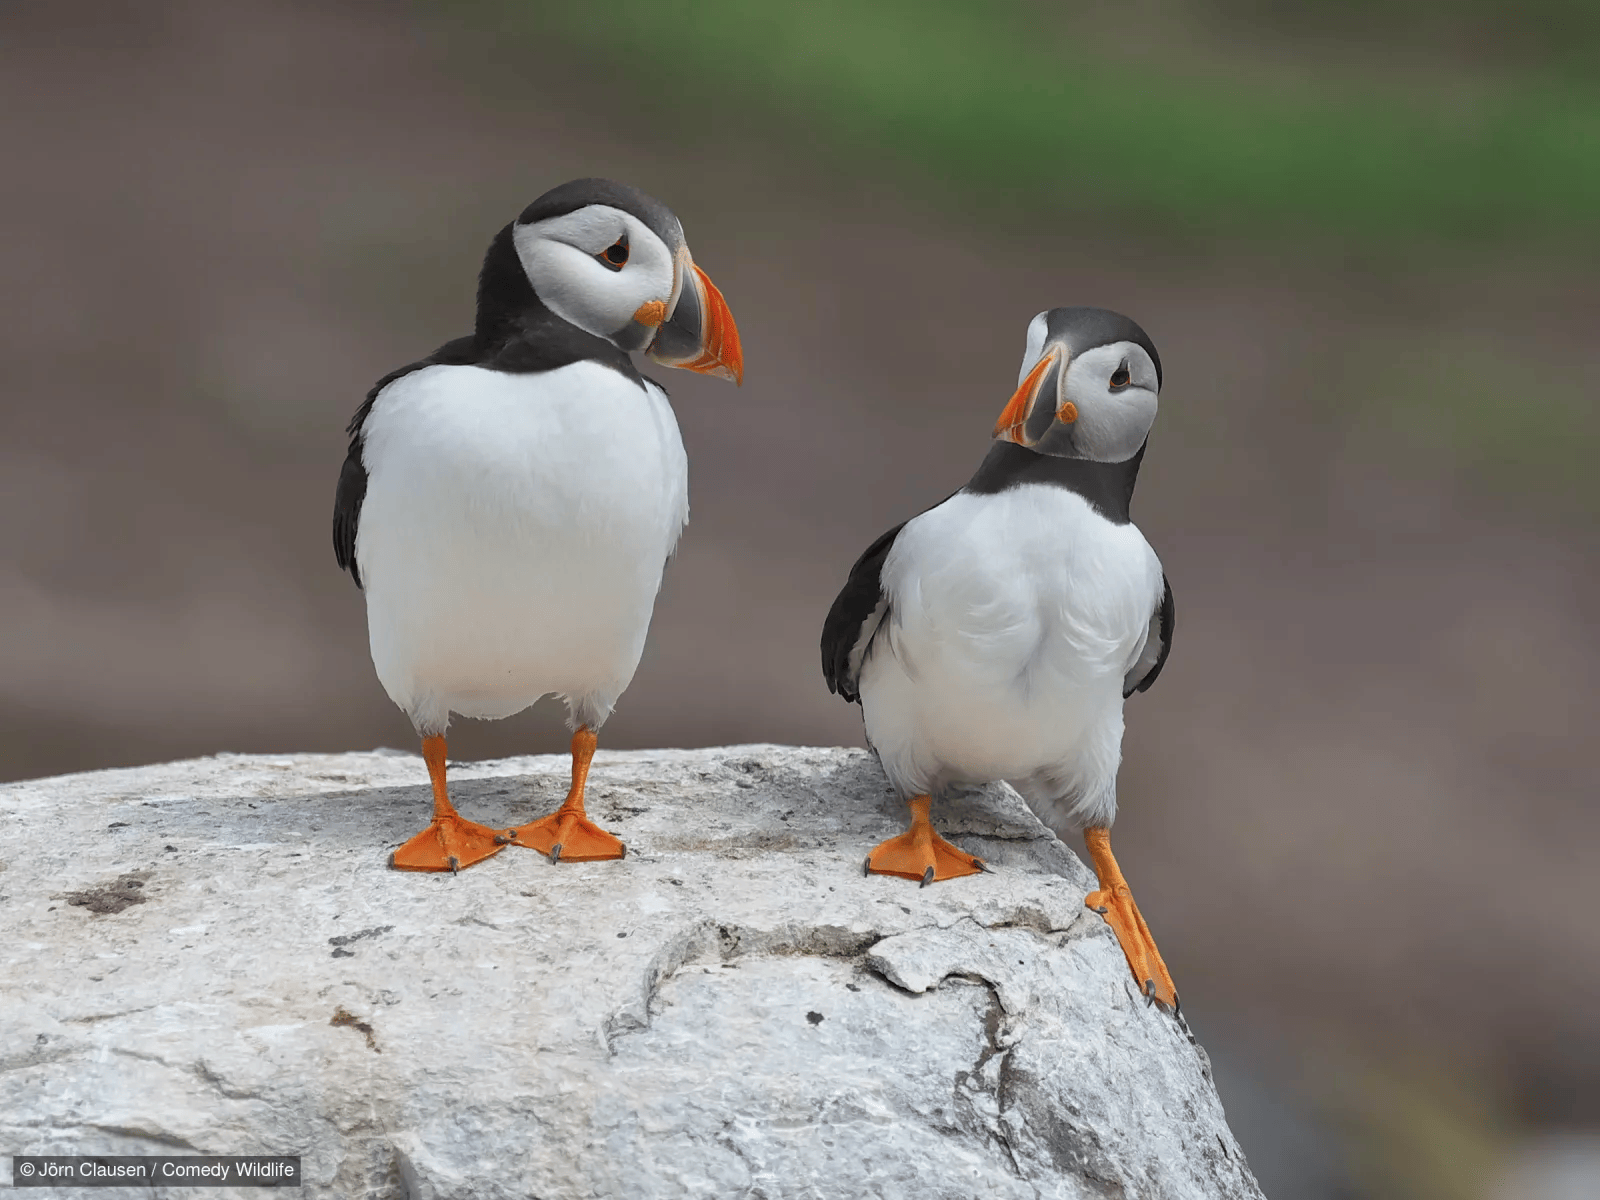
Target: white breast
[1013, 619]
[513, 536]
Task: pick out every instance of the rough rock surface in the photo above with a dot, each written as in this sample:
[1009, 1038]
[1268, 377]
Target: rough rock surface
[213, 957]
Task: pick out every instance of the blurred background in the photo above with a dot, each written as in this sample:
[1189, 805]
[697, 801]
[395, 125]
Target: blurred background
[1360, 810]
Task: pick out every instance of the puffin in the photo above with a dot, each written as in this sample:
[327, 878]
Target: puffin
[997, 635]
[509, 502]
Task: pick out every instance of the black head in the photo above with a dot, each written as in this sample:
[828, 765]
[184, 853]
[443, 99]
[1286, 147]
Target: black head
[576, 194]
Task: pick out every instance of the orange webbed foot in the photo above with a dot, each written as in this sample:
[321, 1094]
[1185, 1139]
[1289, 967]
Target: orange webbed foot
[448, 844]
[921, 854]
[1114, 901]
[451, 841]
[567, 835]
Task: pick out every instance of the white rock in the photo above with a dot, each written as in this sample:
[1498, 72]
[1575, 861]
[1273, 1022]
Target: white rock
[732, 1010]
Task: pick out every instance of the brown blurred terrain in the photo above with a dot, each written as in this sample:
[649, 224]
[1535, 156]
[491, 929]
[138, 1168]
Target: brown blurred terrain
[1360, 807]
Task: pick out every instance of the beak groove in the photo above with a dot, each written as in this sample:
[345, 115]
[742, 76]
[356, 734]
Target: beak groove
[1012, 425]
[700, 335]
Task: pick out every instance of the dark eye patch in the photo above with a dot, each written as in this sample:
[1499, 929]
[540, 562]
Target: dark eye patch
[1120, 377]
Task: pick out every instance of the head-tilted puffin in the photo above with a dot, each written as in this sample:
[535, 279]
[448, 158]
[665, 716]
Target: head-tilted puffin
[996, 635]
[509, 502]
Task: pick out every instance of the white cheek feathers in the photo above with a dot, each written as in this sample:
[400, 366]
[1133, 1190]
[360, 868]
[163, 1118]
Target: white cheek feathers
[561, 258]
[1110, 422]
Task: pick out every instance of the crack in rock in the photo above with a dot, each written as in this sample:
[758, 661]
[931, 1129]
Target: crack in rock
[204, 1072]
[147, 1135]
[96, 1018]
[1024, 1112]
[712, 941]
[968, 1085]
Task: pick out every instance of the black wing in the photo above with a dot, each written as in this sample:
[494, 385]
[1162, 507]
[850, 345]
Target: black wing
[347, 510]
[855, 617]
[352, 489]
[1156, 646]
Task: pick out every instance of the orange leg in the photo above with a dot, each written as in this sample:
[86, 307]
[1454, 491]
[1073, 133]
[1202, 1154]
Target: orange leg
[920, 853]
[1114, 901]
[567, 835]
[451, 841]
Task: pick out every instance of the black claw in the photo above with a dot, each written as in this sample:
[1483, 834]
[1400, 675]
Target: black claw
[866, 865]
[1102, 911]
[500, 839]
[1149, 992]
[983, 866]
[455, 864]
[391, 860]
[1177, 1008]
[927, 877]
[555, 853]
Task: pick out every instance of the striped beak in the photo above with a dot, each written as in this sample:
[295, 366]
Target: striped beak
[1034, 406]
[700, 335]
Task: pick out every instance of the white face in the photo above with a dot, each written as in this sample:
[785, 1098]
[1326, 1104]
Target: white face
[1114, 390]
[572, 261]
[1102, 402]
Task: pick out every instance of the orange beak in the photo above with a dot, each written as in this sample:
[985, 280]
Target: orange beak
[1013, 422]
[700, 335]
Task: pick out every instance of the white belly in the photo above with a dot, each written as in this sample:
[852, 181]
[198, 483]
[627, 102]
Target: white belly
[1013, 620]
[513, 536]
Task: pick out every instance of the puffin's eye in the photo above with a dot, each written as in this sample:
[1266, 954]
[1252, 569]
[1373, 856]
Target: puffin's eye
[1119, 378]
[615, 255]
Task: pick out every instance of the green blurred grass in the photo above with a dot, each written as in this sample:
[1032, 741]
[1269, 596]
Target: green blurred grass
[1006, 105]
[1562, 35]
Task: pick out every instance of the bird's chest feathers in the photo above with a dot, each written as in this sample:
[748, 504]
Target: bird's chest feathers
[581, 449]
[1032, 579]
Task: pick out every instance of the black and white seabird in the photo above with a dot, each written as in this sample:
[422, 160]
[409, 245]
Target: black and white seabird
[997, 634]
[509, 502]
